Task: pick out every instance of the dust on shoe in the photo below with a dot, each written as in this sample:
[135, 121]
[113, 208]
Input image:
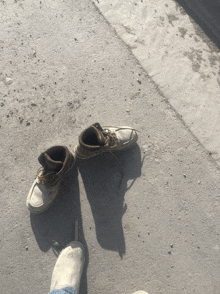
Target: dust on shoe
[56, 162]
[96, 140]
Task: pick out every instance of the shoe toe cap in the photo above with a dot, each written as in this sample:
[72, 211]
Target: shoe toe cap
[127, 136]
[39, 198]
[36, 197]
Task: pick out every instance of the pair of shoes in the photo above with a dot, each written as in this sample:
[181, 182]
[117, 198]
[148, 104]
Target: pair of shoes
[58, 160]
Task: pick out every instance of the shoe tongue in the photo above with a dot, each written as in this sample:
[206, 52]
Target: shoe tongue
[99, 133]
[97, 126]
[48, 164]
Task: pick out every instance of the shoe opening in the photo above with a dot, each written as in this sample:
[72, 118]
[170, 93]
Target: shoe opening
[90, 138]
[57, 153]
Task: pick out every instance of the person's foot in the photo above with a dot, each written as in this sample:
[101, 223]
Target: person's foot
[68, 268]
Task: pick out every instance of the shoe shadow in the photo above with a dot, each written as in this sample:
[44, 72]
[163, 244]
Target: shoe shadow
[106, 178]
[55, 228]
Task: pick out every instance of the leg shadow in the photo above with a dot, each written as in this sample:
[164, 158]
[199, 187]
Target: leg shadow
[55, 228]
[106, 179]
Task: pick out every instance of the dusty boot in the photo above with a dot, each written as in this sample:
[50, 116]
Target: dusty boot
[96, 139]
[56, 162]
[68, 268]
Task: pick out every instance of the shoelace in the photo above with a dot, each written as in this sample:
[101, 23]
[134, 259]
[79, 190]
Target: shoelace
[110, 138]
[51, 179]
[113, 135]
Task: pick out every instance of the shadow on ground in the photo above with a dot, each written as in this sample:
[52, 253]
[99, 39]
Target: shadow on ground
[55, 228]
[106, 178]
[206, 14]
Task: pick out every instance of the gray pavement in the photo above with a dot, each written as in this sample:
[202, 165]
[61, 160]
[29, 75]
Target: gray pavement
[149, 220]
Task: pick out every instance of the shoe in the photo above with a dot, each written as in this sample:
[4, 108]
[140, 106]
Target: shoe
[56, 162]
[140, 292]
[68, 268]
[96, 140]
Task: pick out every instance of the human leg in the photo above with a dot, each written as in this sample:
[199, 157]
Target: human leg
[66, 290]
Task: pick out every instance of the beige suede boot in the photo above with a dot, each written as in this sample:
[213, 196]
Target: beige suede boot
[96, 139]
[56, 162]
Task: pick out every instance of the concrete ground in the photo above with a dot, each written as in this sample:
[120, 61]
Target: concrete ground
[149, 220]
[178, 56]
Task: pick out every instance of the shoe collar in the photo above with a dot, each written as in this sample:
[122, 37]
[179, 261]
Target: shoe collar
[96, 130]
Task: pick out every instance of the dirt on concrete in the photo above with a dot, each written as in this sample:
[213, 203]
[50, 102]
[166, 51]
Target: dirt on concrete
[148, 219]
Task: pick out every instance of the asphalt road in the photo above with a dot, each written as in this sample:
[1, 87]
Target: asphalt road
[206, 14]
